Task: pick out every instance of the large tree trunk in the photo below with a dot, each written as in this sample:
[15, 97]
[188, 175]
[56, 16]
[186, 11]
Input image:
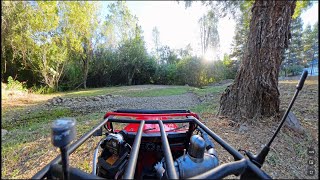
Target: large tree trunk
[254, 92]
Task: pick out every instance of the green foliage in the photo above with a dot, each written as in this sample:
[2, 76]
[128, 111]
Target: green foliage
[166, 74]
[218, 71]
[303, 48]
[231, 67]
[120, 24]
[294, 53]
[15, 85]
[245, 8]
[42, 37]
[292, 70]
[241, 30]
[310, 39]
[71, 78]
[295, 69]
[132, 55]
[300, 7]
[42, 89]
[16, 42]
[60, 46]
[188, 71]
[145, 73]
[167, 55]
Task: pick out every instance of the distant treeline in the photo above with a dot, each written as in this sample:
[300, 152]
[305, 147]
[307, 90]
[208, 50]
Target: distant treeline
[67, 45]
[64, 45]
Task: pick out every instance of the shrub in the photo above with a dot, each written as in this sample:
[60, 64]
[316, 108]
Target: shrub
[294, 70]
[42, 89]
[15, 85]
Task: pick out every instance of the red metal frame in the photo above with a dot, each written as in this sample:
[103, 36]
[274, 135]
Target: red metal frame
[161, 119]
[152, 128]
[148, 159]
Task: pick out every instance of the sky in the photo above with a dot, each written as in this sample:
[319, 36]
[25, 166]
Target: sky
[178, 26]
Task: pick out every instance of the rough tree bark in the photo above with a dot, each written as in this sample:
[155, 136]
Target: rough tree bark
[254, 92]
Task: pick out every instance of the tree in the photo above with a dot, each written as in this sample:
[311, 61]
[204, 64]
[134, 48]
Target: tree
[16, 41]
[316, 42]
[185, 52]
[120, 24]
[241, 32]
[132, 55]
[231, 67]
[239, 40]
[293, 55]
[36, 41]
[156, 41]
[50, 50]
[254, 91]
[310, 40]
[80, 23]
[167, 56]
[189, 71]
[209, 35]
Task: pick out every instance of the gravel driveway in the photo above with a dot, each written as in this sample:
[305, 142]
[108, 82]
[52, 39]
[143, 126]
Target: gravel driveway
[114, 102]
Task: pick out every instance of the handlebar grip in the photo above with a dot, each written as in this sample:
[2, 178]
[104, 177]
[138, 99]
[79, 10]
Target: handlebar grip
[302, 79]
[236, 167]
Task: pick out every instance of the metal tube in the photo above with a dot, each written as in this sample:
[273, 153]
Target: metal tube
[83, 138]
[95, 157]
[72, 148]
[284, 117]
[171, 171]
[261, 174]
[224, 144]
[65, 162]
[232, 151]
[151, 121]
[145, 111]
[237, 167]
[209, 144]
[129, 173]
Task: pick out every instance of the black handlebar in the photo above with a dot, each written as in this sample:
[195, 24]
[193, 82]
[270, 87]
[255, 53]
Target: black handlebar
[235, 168]
[302, 79]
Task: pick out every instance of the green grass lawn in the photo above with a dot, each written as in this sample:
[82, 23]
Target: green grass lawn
[132, 92]
[209, 90]
[127, 91]
[93, 92]
[158, 92]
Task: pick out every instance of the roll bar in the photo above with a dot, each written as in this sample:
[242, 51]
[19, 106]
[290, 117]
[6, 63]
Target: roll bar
[237, 167]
